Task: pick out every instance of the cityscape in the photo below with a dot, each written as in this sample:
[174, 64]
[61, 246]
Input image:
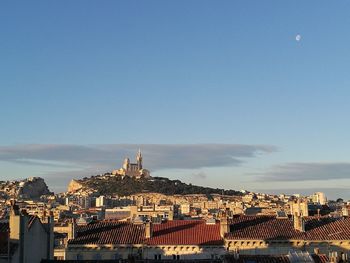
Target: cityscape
[174, 131]
[90, 221]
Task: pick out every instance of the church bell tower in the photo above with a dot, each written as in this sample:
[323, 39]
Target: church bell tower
[139, 160]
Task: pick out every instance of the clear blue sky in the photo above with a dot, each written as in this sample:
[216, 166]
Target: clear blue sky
[182, 72]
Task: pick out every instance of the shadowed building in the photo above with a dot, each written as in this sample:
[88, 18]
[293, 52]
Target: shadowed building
[25, 238]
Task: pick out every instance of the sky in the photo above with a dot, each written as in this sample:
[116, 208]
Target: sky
[231, 94]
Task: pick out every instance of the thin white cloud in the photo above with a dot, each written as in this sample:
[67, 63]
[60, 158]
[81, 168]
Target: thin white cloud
[307, 171]
[157, 156]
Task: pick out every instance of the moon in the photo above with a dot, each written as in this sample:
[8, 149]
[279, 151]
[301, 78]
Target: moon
[298, 37]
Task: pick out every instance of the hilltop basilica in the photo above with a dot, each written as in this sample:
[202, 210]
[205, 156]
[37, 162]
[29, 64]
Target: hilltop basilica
[133, 169]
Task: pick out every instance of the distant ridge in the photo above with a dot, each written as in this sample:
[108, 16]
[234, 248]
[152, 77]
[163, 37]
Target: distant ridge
[122, 186]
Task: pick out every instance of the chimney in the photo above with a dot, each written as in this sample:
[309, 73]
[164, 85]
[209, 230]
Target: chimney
[72, 231]
[224, 226]
[17, 222]
[44, 218]
[14, 208]
[148, 229]
[299, 222]
[50, 237]
[316, 251]
[18, 228]
[298, 219]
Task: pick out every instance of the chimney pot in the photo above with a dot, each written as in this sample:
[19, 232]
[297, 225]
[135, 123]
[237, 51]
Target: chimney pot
[148, 229]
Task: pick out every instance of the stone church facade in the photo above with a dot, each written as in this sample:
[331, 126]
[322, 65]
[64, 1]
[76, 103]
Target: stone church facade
[133, 169]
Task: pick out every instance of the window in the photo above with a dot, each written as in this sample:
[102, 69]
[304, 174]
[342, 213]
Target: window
[80, 257]
[97, 257]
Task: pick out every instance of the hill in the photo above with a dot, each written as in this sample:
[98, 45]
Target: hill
[108, 185]
[30, 188]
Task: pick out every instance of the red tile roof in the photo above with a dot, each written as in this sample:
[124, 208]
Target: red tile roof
[186, 232]
[257, 259]
[271, 228]
[197, 232]
[320, 258]
[177, 232]
[109, 233]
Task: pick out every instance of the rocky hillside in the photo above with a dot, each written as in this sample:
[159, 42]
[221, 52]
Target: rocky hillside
[30, 188]
[108, 185]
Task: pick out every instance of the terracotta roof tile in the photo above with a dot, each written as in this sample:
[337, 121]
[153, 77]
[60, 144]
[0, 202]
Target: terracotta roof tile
[271, 228]
[109, 233]
[257, 259]
[186, 232]
[177, 232]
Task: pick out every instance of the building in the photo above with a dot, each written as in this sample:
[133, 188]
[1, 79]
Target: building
[299, 207]
[185, 208]
[118, 213]
[133, 169]
[269, 235]
[153, 211]
[101, 201]
[239, 237]
[145, 212]
[23, 235]
[178, 239]
[319, 198]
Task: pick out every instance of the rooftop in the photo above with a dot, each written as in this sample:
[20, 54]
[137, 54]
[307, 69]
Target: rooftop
[109, 233]
[175, 232]
[186, 232]
[272, 228]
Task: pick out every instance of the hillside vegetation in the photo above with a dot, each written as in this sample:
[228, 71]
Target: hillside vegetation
[129, 185]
